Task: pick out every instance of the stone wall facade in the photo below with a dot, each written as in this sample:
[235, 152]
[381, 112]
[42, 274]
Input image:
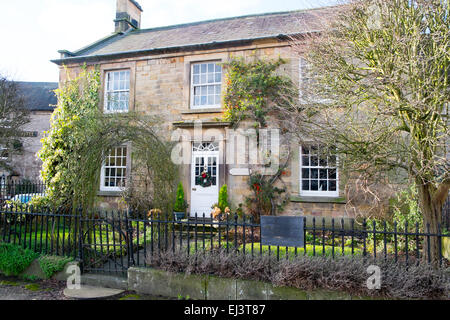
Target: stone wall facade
[161, 86]
[25, 162]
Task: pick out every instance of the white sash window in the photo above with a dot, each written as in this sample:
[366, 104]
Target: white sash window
[114, 170]
[117, 91]
[206, 85]
[318, 172]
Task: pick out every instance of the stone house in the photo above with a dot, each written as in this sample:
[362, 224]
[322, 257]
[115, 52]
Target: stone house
[175, 72]
[40, 100]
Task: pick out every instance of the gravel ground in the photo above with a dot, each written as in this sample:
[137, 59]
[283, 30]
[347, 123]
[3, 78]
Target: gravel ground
[12, 288]
[17, 289]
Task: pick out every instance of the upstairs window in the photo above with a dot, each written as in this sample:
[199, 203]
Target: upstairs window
[206, 85]
[114, 170]
[117, 91]
[318, 172]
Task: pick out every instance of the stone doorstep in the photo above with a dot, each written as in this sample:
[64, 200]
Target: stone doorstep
[90, 292]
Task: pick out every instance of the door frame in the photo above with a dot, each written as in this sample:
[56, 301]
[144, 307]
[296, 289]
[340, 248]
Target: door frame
[205, 154]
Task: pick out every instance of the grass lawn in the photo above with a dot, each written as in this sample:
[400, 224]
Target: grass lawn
[291, 251]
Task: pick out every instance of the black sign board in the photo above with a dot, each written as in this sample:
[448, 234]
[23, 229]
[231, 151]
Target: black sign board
[282, 231]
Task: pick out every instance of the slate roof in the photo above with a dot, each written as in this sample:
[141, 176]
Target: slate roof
[38, 96]
[211, 32]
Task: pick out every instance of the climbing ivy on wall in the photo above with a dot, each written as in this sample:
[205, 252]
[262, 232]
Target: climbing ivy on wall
[81, 136]
[253, 88]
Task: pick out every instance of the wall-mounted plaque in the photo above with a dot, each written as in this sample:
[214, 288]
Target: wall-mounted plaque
[282, 231]
[240, 172]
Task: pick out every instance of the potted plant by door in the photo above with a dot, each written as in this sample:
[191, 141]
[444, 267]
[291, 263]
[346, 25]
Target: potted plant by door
[180, 204]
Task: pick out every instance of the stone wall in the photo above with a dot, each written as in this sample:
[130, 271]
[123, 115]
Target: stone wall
[204, 287]
[26, 163]
[160, 87]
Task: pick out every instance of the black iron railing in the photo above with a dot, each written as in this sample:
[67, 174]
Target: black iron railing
[115, 241]
[20, 191]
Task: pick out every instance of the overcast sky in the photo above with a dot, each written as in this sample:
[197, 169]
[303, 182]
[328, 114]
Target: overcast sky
[34, 30]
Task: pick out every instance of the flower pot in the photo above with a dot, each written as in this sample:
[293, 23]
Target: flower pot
[179, 215]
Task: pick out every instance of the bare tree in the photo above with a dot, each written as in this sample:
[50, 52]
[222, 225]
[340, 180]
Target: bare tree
[13, 115]
[380, 96]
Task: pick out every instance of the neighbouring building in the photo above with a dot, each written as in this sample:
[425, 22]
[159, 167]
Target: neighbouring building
[40, 100]
[175, 72]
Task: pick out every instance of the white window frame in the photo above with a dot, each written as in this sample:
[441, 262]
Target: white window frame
[192, 86]
[318, 193]
[105, 104]
[126, 167]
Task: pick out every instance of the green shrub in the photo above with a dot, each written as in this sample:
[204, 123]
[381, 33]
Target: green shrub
[180, 203]
[52, 264]
[14, 259]
[223, 198]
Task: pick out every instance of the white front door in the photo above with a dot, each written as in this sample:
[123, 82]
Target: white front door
[204, 178]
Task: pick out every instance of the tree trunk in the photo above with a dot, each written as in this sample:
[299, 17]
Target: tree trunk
[432, 213]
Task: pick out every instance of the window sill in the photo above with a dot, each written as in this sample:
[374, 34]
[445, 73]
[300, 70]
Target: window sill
[111, 193]
[204, 110]
[304, 199]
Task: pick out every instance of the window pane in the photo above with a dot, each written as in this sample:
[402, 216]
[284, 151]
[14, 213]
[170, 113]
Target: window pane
[210, 77]
[305, 150]
[332, 161]
[323, 185]
[196, 79]
[332, 185]
[314, 173]
[323, 173]
[305, 185]
[196, 69]
[305, 161]
[314, 185]
[332, 174]
[305, 173]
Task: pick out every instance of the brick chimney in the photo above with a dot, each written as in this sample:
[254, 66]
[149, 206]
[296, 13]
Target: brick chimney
[128, 15]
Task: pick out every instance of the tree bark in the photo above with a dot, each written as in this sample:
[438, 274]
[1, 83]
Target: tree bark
[432, 217]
